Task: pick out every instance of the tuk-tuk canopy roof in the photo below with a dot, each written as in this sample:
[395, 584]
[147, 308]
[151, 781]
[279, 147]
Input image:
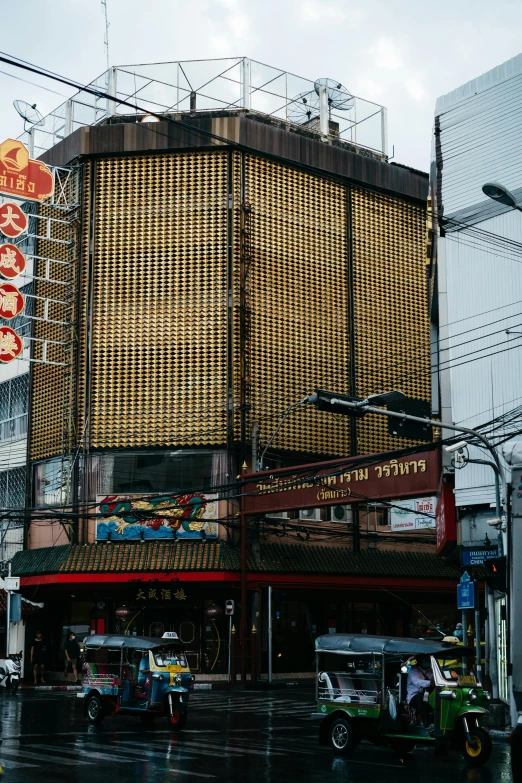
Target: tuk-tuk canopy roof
[132, 642]
[364, 643]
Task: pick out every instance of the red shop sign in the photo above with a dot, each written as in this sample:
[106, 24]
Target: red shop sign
[12, 261]
[12, 302]
[339, 482]
[13, 221]
[11, 346]
[22, 177]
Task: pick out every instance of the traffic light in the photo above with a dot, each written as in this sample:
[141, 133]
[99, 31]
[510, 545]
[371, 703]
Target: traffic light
[496, 573]
[323, 400]
[412, 430]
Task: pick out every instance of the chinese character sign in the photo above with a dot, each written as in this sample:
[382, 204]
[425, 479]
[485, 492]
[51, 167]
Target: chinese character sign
[11, 345]
[416, 514]
[150, 594]
[134, 517]
[22, 177]
[13, 221]
[12, 261]
[11, 301]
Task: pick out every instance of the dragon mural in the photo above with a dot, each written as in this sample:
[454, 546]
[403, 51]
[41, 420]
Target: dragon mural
[156, 516]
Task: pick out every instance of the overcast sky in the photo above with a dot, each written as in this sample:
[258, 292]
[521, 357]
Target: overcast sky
[400, 53]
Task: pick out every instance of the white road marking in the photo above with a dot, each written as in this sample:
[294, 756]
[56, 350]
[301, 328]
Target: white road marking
[20, 751]
[93, 754]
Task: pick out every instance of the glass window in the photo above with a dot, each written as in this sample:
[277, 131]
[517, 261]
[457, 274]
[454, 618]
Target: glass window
[160, 472]
[170, 656]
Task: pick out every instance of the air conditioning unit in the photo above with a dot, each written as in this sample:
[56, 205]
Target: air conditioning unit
[340, 514]
[310, 515]
[278, 515]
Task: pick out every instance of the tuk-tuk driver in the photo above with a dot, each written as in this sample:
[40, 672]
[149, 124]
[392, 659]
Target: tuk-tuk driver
[420, 677]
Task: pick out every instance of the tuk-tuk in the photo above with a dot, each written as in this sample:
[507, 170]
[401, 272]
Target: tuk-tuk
[136, 675]
[361, 690]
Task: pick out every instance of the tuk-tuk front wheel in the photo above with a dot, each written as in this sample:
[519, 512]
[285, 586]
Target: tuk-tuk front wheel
[341, 737]
[178, 717]
[479, 749]
[94, 709]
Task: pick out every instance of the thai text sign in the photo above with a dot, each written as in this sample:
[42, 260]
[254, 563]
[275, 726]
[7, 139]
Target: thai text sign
[416, 514]
[131, 517]
[332, 483]
[29, 180]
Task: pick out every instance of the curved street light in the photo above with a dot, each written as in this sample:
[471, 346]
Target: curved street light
[498, 192]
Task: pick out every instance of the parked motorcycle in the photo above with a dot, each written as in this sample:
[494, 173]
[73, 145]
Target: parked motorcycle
[10, 672]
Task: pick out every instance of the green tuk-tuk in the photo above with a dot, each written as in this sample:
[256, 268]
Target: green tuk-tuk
[361, 691]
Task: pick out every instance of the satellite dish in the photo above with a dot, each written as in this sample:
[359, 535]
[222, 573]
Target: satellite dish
[303, 107]
[338, 96]
[29, 113]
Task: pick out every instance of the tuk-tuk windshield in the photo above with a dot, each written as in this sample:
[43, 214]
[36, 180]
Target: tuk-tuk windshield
[450, 668]
[170, 656]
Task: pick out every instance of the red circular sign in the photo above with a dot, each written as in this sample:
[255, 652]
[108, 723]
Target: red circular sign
[11, 345]
[13, 221]
[12, 302]
[12, 261]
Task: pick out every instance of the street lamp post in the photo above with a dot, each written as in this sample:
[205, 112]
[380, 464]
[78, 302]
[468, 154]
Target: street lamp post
[498, 192]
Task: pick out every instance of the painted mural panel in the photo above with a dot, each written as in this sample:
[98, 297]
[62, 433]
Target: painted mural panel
[161, 516]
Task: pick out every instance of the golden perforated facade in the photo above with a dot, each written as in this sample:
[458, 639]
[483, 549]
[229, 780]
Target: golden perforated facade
[392, 337]
[159, 301]
[218, 287]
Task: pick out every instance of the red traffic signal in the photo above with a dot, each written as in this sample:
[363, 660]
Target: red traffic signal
[496, 573]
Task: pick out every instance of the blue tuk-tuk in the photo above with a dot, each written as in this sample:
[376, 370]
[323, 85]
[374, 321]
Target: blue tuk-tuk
[136, 675]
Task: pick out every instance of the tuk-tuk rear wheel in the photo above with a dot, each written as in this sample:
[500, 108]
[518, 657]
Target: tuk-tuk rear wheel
[341, 737]
[479, 750]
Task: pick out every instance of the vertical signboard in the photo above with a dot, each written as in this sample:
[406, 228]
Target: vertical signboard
[446, 516]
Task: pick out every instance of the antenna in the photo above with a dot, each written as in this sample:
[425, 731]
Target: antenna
[106, 39]
[303, 107]
[338, 96]
[29, 113]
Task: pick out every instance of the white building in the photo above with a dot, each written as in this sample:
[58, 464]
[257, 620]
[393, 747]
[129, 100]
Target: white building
[476, 278]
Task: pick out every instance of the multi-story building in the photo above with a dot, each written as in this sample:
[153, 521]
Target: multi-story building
[477, 290]
[246, 244]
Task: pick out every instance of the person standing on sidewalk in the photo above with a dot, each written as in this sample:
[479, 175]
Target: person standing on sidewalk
[38, 649]
[72, 652]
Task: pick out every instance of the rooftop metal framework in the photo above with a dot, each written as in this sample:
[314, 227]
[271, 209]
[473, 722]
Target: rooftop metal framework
[226, 84]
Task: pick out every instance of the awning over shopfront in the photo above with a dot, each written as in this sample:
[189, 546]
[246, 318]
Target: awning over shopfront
[219, 562]
[28, 607]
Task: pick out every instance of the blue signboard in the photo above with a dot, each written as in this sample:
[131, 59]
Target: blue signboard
[466, 595]
[477, 557]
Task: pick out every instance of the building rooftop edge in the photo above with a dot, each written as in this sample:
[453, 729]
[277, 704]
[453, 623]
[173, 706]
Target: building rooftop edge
[500, 73]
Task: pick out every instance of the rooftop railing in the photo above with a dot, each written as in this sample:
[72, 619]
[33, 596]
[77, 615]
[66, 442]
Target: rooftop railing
[214, 85]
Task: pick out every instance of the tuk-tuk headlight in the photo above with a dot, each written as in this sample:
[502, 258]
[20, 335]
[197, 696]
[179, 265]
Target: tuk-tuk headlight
[178, 679]
[486, 695]
[472, 695]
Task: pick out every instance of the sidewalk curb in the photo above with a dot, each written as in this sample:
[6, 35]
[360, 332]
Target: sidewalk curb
[51, 687]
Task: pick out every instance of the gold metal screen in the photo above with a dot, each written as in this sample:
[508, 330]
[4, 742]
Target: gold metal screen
[159, 301]
[55, 231]
[392, 336]
[298, 303]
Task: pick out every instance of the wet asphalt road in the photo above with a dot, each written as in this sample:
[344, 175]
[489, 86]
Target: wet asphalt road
[250, 736]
